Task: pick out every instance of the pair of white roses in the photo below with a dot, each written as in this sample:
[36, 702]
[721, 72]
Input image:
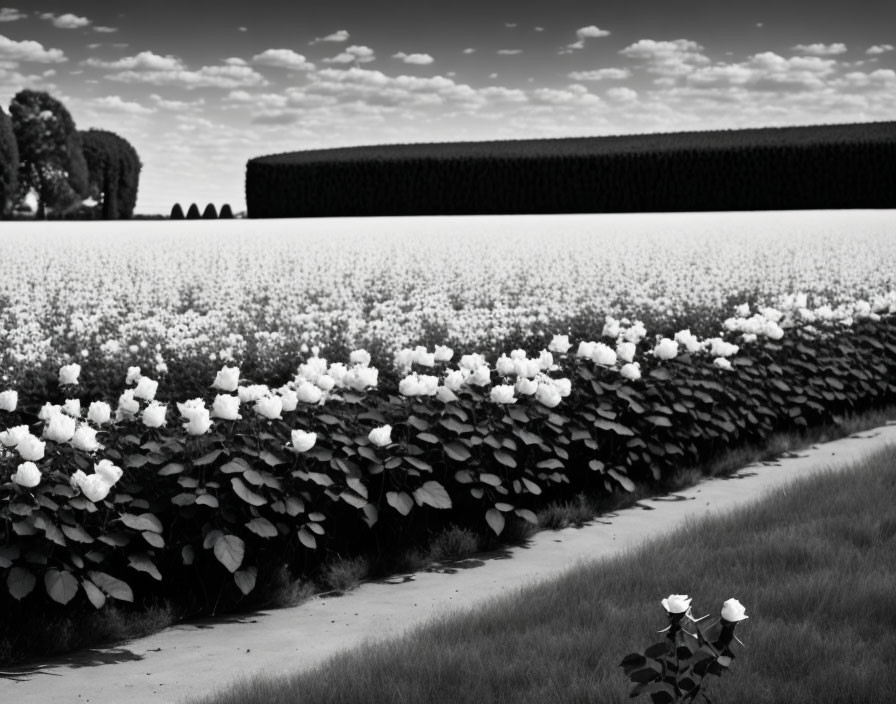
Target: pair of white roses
[732, 610]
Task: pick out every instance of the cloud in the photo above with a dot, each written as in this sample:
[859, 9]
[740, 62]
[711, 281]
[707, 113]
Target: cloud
[469, 50]
[767, 71]
[879, 49]
[235, 61]
[820, 49]
[612, 74]
[205, 77]
[573, 95]
[420, 59]
[114, 103]
[144, 60]
[883, 79]
[105, 30]
[622, 94]
[11, 50]
[339, 36]
[509, 52]
[66, 21]
[538, 29]
[11, 14]
[179, 105]
[667, 58]
[354, 54]
[583, 33]
[242, 29]
[283, 58]
[510, 25]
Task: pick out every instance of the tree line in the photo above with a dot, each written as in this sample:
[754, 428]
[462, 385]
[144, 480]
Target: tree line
[43, 153]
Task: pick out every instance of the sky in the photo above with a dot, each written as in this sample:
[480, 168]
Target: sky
[199, 87]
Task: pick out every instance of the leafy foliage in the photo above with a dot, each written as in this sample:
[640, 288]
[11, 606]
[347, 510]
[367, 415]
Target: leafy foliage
[114, 173]
[210, 213]
[9, 165]
[177, 213]
[193, 212]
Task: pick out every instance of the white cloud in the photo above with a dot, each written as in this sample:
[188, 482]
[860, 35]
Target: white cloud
[622, 94]
[881, 79]
[114, 103]
[420, 59]
[509, 52]
[179, 105]
[66, 21]
[583, 33]
[11, 14]
[205, 77]
[11, 50]
[144, 60]
[573, 95]
[353, 54]
[469, 50]
[235, 61]
[339, 36]
[283, 58]
[667, 58]
[767, 71]
[879, 49]
[510, 25]
[105, 30]
[242, 29]
[538, 29]
[600, 74]
[820, 49]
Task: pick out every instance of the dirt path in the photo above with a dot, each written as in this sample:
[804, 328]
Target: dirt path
[196, 658]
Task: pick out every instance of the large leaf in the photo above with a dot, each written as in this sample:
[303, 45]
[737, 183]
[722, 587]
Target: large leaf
[352, 499]
[626, 483]
[111, 586]
[246, 494]
[145, 521]
[8, 553]
[490, 479]
[76, 533]
[400, 501]
[154, 539]
[208, 458]
[495, 520]
[20, 582]
[505, 458]
[532, 486]
[245, 579]
[527, 515]
[235, 466]
[143, 563]
[357, 485]
[617, 428]
[262, 527]
[61, 586]
[457, 451]
[94, 594]
[307, 539]
[229, 549]
[432, 494]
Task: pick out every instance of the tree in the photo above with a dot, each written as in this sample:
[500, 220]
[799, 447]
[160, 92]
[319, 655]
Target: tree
[9, 165]
[226, 212]
[114, 173]
[210, 213]
[51, 161]
[177, 213]
[193, 212]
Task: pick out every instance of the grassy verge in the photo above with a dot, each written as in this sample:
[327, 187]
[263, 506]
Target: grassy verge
[814, 566]
[38, 634]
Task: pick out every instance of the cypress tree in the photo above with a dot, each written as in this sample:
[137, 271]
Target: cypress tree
[114, 171]
[9, 165]
[193, 212]
[177, 213]
[210, 213]
[226, 213]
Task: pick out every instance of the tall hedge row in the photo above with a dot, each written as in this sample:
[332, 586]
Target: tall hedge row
[9, 165]
[114, 171]
[828, 166]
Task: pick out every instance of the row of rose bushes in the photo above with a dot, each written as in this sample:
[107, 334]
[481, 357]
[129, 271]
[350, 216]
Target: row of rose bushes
[98, 504]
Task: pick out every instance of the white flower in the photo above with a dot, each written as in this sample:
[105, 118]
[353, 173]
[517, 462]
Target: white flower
[302, 441]
[94, 487]
[381, 436]
[154, 415]
[72, 407]
[85, 439]
[666, 349]
[48, 410]
[456, 378]
[472, 361]
[99, 412]
[626, 351]
[308, 393]
[226, 407]
[30, 448]
[227, 379]
[518, 354]
[325, 382]
[480, 376]
[676, 603]
[631, 371]
[748, 337]
[61, 428]
[27, 475]
[269, 407]
[503, 393]
[404, 358]
[559, 344]
[133, 375]
[289, 398]
[443, 354]
[504, 366]
[545, 360]
[127, 405]
[408, 386]
[146, 388]
[733, 611]
[722, 363]
[359, 378]
[249, 394]
[527, 368]
[601, 354]
[720, 348]
[197, 415]
[526, 387]
[108, 471]
[69, 374]
[12, 436]
[564, 386]
[690, 342]
[743, 310]
[635, 333]
[611, 327]
[585, 349]
[361, 357]
[424, 358]
[9, 400]
[548, 395]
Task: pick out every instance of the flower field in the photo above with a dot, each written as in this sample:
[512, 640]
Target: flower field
[185, 407]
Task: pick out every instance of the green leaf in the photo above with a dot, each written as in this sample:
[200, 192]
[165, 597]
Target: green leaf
[187, 554]
[495, 520]
[145, 521]
[236, 465]
[20, 582]
[246, 494]
[527, 437]
[428, 437]
[356, 484]
[419, 464]
[135, 461]
[505, 458]
[76, 533]
[207, 500]
[171, 468]
[154, 539]
[626, 483]
[184, 499]
[270, 458]
[61, 586]
[400, 501]
[617, 428]
[253, 477]
[94, 594]
[660, 421]
[550, 464]
[211, 538]
[8, 553]
[490, 479]
[432, 494]
[307, 539]
[111, 586]
[143, 563]
[245, 579]
[230, 550]
[527, 515]
[352, 499]
[457, 451]
[262, 527]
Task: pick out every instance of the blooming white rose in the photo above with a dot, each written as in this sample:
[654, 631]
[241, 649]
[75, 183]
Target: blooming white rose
[85, 439]
[743, 310]
[13, 436]
[359, 378]
[133, 375]
[72, 407]
[404, 358]
[198, 421]
[381, 436]
[548, 395]
[631, 371]
[30, 448]
[361, 357]
[302, 441]
[108, 471]
[424, 358]
[611, 327]
[250, 394]
[472, 361]
[226, 407]
[689, 340]
[269, 407]
[48, 410]
[481, 376]
[308, 393]
[719, 348]
[635, 333]
[69, 374]
[626, 351]
[559, 344]
[455, 378]
[564, 386]
[748, 337]
[733, 611]
[518, 354]
[27, 475]
[428, 385]
[585, 349]
[601, 354]
[503, 393]
[289, 398]
[154, 415]
[527, 368]
[99, 412]
[9, 400]
[76, 479]
[443, 354]
[526, 387]
[311, 370]
[94, 487]
[128, 406]
[676, 603]
[666, 349]
[722, 363]
[409, 385]
[61, 428]
[504, 366]
[146, 388]
[325, 382]
[445, 395]
[227, 379]
[545, 360]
